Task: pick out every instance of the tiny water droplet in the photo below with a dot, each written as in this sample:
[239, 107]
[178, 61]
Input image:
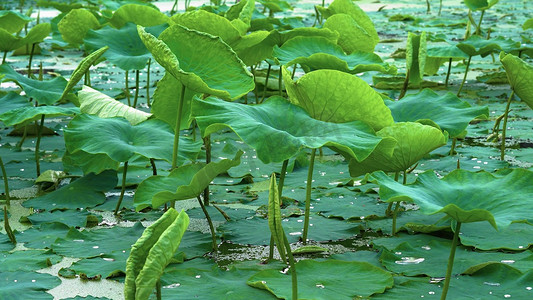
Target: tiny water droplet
[426, 247]
[491, 283]
[507, 296]
[95, 247]
[33, 280]
[529, 288]
[409, 260]
[320, 286]
[198, 276]
[507, 261]
[431, 293]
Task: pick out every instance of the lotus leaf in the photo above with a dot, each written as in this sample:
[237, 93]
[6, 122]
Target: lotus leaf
[69, 217]
[240, 15]
[335, 96]
[75, 25]
[27, 114]
[330, 279]
[89, 163]
[42, 237]
[314, 53]
[200, 61]
[36, 34]
[138, 14]
[165, 106]
[88, 192]
[416, 55]
[466, 196]
[28, 260]
[518, 236]
[277, 129]
[414, 141]
[33, 284]
[207, 22]
[448, 111]
[13, 101]
[448, 51]
[13, 21]
[480, 4]
[185, 182]
[476, 45]
[352, 36]
[96, 103]
[8, 42]
[110, 265]
[45, 92]
[519, 74]
[528, 24]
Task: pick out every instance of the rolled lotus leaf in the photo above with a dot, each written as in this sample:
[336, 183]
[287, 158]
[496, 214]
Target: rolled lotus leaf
[519, 74]
[274, 218]
[416, 54]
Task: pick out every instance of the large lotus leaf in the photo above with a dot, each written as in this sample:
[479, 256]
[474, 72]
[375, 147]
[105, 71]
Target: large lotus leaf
[185, 182]
[117, 138]
[37, 34]
[277, 129]
[96, 103]
[126, 50]
[448, 111]
[416, 54]
[414, 141]
[166, 101]
[518, 236]
[519, 74]
[11, 101]
[200, 61]
[75, 25]
[89, 163]
[109, 265]
[240, 15]
[476, 45]
[352, 36]
[87, 191]
[449, 51]
[13, 21]
[480, 4]
[466, 196]
[314, 53]
[330, 279]
[138, 14]
[73, 218]
[30, 285]
[31, 113]
[45, 92]
[42, 237]
[335, 96]
[207, 22]
[28, 260]
[8, 42]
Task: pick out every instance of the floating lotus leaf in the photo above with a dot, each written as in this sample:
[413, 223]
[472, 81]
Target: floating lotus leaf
[28, 260]
[448, 111]
[126, 50]
[45, 92]
[416, 55]
[72, 218]
[118, 139]
[330, 279]
[200, 61]
[414, 140]
[352, 36]
[335, 96]
[476, 45]
[185, 182]
[449, 51]
[32, 113]
[480, 4]
[75, 25]
[107, 266]
[466, 196]
[519, 74]
[96, 103]
[44, 236]
[518, 236]
[12, 101]
[277, 129]
[240, 15]
[314, 53]
[138, 14]
[207, 22]
[13, 21]
[34, 285]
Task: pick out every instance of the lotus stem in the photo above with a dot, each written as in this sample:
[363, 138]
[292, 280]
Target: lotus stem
[266, 83]
[154, 168]
[123, 188]
[405, 85]
[271, 248]
[207, 144]
[210, 222]
[449, 71]
[294, 71]
[504, 129]
[127, 90]
[6, 183]
[177, 129]
[158, 289]
[4, 58]
[23, 138]
[450, 261]
[394, 215]
[440, 7]
[464, 78]
[148, 83]
[31, 58]
[282, 179]
[136, 88]
[292, 267]
[37, 144]
[280, 81]
[428, 7]
[389, 207]
[452, 150]
[308, 195]
[478, 29]
[174, 7]
[9, 232]
[256, 92]
[87, 78]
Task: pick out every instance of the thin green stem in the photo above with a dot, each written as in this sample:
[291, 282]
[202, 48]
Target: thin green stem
[31, 59]
[123, 188]
[280, 81]
[452, 150]
[266, 83]
[440, 7]
[127, 90]
[23, 138]
[428, 7]
[394, 215]
[478, 29]
[4, 58]
[177, 129]
[308, 195]
[405, 85]
[271, 248]
[449, 71]
[504, 129]
[37, 144]
[6, 183]
[282, 178]
[256, 92]
[136, 89]
[207, 145]
[148, 83]
[450, 261]
[464, 78]
[211, 227]
[154, 168]
[292, 265]
[158, 289]
[7, 227]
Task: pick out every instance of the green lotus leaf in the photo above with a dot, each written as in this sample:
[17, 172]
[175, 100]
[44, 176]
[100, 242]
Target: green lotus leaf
[81, 70]
[8, 42]
[518, 236]
[240, 15]
[449, 51]
[107, 266]
[126, 50]
[44, 236]
[75, 25]
[207, 22]
[476, 45]
[37, 33]
[201, 62]
[88, 163]
[528, 24]
[416, 54]
[448, 111]
[314, 53]
[13, 21]
[121, 141]
[165, 101]
[34, 285]
[277, 129]
[352, 36]
[96, 103]
[12, 101]
[332, 96]
[45, 92]
[519, 74]
[138, 14]
[414, 141]
[73, 218]
[87, 191]
[480, 4]
[28, 260]
[466, 196]
[185, 182]
[330, 279]
[32, 113]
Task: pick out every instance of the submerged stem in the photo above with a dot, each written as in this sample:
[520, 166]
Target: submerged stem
[308, 195]
[6, 183]
[450, 261]
[177, 129]
[123, 188]
[211, 227]
[464, 78]
[504, 129]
